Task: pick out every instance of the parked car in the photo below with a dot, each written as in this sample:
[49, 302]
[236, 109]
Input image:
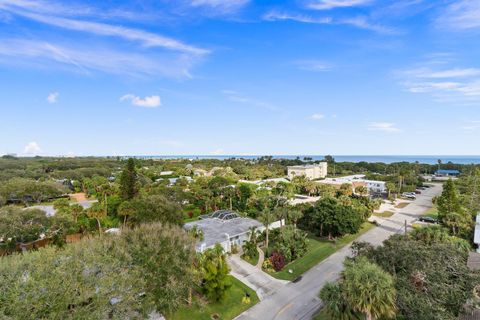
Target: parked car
[418, 192]
[409, 195]
[428, 219]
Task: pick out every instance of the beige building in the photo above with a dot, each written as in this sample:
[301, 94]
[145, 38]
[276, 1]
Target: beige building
[309, 171]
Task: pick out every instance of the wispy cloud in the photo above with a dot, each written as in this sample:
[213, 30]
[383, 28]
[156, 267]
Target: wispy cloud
[32, 148]
[332, 4]
[147, 39]
[83, 60]
[448, 84]
[220, 6]
[317, 116]
[138, 52]
[360, 22]
[471, 125]
[147, 102]
[313, 65]
[240, 98]
[383, 126]
[53, 97]
[461, 15]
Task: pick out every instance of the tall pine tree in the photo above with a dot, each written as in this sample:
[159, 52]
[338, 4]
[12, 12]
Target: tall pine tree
[128, 181]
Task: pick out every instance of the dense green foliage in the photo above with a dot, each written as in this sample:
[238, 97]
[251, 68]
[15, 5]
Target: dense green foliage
[119, 277]
[214, 271]
[21, 226]
[364, 288]
[330, 217]
[20, 190]
[431, 277]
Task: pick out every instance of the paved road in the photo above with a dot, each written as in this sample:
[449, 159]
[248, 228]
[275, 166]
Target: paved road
[263, 283]
[300, 300]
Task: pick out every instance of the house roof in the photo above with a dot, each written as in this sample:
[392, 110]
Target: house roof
[447, 171]
[216, 230]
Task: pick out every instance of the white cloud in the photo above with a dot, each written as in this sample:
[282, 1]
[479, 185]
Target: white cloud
[446, 73]
[461, 14]
[471, 125]
[147, 39]
[32, 148]
[85, 59]
[53, 97]
[360, 22]
[332, 4]
[313, 65]
[446, 84]
[383, 126]
[138, 51]
[240, 98]
[317, 116]
[147, 102]
[221, 6]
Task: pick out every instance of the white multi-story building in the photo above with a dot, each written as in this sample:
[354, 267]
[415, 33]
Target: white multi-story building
[309, 171]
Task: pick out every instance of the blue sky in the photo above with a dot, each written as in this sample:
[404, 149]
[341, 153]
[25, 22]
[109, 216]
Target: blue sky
[239, 77]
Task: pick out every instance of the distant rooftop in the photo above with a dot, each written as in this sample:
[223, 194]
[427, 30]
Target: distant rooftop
[447, 171]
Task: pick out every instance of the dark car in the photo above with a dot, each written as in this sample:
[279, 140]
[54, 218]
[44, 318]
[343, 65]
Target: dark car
[418, 191]
[428, 220]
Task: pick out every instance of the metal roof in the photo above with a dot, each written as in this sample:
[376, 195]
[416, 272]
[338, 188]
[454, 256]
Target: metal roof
[216, 230]
[447, 171]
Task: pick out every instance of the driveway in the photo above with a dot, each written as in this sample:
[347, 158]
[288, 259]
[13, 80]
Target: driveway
[300, 300]
[263, 283]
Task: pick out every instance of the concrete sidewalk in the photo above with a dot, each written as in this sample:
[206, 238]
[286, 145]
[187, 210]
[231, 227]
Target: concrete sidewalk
[263, 283]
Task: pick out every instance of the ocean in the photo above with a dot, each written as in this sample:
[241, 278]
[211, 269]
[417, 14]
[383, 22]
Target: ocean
[342, 158]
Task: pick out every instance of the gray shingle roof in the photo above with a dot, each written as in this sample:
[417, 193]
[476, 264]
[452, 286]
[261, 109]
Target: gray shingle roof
[216, 230]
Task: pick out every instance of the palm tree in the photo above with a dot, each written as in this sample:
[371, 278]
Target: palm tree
[335, 304]
[97, 212]
[368, 289]
[126, 209]
[361, 191]
[294, 215]
[76, 210]
[266, 217]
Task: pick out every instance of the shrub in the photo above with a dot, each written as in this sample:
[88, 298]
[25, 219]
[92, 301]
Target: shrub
[278, 260]
[110, 277]
[267, 266]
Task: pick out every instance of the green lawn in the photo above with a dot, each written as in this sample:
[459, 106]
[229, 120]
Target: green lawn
[432, 212]
[231, 307]
[253, 261]
[190, 219]
[317, 251]
[384, 214]
[322, 315]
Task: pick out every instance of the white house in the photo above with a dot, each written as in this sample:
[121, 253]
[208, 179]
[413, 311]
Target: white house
[373, 186]
[476, 237]
[226, 228]
[309, 171]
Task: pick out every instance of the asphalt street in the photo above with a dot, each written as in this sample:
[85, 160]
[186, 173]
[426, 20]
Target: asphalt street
[300, 300]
